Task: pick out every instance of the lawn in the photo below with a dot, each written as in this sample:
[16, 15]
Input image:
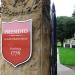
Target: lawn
[67, 56]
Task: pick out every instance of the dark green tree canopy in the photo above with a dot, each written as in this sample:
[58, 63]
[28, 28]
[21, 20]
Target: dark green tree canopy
[65, 28]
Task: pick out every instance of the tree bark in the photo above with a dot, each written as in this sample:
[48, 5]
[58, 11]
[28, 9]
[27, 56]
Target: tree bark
[62, 43]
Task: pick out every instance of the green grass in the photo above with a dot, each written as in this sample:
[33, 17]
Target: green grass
[67, 56]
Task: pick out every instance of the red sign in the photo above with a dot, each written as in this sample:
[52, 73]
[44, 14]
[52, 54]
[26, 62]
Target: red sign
[17, 41]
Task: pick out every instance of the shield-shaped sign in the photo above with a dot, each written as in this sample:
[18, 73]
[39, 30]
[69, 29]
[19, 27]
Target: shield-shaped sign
[17, 41]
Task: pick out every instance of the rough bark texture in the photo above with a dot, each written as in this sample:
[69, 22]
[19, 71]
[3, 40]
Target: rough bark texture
[38, 11]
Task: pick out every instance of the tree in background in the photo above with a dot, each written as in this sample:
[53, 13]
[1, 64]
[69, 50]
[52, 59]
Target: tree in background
[65, 28]
[73, 15]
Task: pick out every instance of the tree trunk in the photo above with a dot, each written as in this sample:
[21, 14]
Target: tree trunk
[61, 43]
[39, 12]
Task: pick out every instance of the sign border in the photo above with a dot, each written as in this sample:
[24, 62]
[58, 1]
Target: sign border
[30, 44]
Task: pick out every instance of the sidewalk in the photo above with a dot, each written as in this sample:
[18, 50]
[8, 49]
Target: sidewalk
[63, 70]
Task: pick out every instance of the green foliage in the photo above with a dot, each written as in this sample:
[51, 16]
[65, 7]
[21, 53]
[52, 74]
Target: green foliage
[65, 28]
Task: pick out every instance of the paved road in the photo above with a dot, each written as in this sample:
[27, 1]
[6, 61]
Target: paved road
[63, 70]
